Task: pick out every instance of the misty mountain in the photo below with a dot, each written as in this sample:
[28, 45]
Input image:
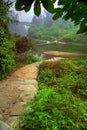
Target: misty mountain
[14, 26]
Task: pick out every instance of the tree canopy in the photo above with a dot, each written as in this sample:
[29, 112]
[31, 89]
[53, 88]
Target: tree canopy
[76, 10]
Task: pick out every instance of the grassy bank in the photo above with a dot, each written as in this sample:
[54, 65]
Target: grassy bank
[61, 102]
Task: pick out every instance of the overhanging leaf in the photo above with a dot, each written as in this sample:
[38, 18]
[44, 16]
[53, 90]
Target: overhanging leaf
[48, 5]
[24, 5]
[37, 8]
[83, 27]
[19, 4]
[58, 14]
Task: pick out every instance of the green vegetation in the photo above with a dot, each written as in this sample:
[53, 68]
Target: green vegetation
[7, 47]
[61, 102]
[58, 30]
[24, 44]
[26, 50]
[32, 59]
[64, 33]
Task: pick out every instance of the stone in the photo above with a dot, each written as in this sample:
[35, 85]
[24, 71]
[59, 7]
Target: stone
[13, 121]
[28, 92]
[4, 126]
[17, 109]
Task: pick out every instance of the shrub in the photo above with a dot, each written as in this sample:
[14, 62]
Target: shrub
[7, 47]
[32, 59]
[68, 74]
[7, 55]
[56, 67]
[53, 111]
[24, 44]
[47, 77]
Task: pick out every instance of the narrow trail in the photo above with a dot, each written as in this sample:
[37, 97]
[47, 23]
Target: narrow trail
[16, 90]
[13, 91]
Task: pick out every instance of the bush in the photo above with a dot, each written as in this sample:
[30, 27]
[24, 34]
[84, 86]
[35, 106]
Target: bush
[7, 54]
[68, 74]
[7, 47]
[32, 59]
[53, 111]
[24, 44]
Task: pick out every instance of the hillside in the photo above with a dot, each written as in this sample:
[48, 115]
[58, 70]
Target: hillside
[44, 28]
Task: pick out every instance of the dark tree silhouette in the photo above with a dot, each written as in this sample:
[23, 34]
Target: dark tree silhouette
[76, 10]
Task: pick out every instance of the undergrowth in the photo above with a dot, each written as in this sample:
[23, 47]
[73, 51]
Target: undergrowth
[32, 59]
[61, 102]
[7, 46]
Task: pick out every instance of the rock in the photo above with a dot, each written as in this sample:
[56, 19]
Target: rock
[13, 122]
[4, 126]
[17, 109]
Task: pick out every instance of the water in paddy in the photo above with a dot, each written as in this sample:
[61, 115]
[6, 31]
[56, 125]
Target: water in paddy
[63, 47]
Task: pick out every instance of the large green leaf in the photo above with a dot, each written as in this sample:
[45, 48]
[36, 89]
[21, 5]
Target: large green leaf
[37, 8]
[19, 4]
[23, 5]
[58, 14]
[64, 2]
[48, 5]
[83, 26]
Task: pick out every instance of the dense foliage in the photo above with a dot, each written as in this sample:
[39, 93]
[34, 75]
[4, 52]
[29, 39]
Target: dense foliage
[57, 30]
[7, 47]
[32, 59]
[61, 102]
[76, 10]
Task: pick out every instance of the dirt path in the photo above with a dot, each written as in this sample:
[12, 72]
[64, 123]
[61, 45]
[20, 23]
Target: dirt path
[13, 92]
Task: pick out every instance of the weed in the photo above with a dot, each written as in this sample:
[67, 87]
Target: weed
[32, 59]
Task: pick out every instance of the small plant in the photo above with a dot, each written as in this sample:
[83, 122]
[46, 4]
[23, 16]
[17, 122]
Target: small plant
[32, 59]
